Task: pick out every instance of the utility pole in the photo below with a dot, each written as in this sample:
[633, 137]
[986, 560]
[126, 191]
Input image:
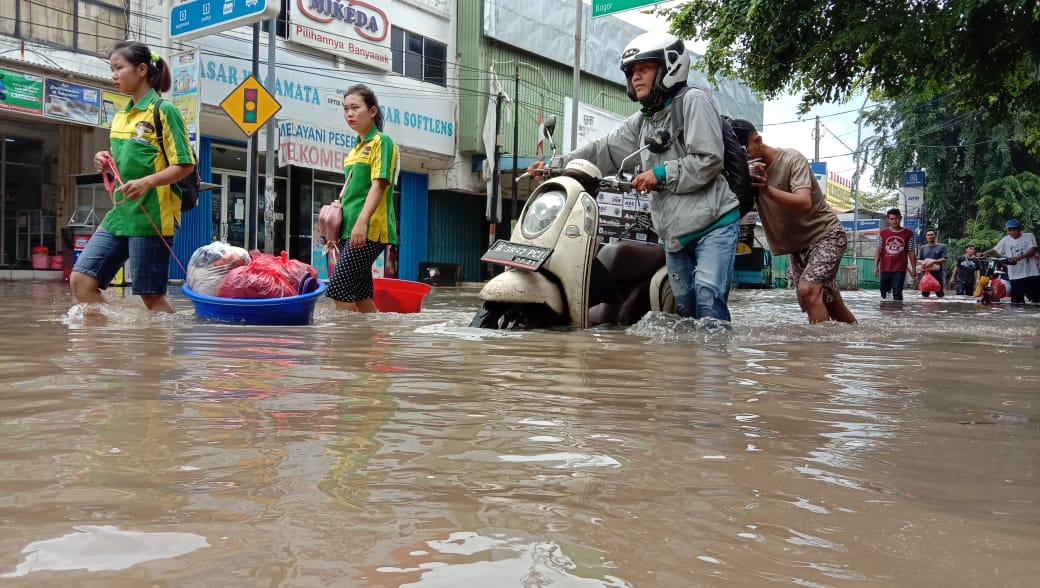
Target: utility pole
[270, 196]
[855, 182]
[576, 93]
[252, 175]
[496, 181]
[816, 136]
[516, 139]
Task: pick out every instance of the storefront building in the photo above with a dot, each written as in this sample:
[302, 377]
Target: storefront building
[57, 99]
[53, 76]
[319, 54]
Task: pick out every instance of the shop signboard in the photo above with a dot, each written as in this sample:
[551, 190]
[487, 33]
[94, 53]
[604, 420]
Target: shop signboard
[313, 146]
[72, 102]
[358, 31]
[111, 103]
[21, 92]
[914, 179]
[185, 94]
[416, 114]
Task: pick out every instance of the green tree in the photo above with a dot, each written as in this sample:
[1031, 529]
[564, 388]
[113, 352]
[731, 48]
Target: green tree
[962, 154]
[1016, 196]
[982, 55]
[880, 200]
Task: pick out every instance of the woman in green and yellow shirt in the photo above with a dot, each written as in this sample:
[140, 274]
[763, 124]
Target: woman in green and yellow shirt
[369, 221]
[147, 207]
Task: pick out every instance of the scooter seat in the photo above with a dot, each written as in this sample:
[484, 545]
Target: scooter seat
[627, 261]
[631, 265]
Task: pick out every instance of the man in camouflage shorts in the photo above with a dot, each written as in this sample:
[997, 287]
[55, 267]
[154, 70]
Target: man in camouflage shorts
[798, 221]
[819, 263]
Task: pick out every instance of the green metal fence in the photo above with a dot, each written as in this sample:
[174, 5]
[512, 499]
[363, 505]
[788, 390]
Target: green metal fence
[865, 266]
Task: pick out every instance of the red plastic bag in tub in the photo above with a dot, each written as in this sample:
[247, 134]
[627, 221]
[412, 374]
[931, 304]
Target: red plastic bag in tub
[296, 270]
[210, 263]
[264, 277]
[330, 223]
[929, 283]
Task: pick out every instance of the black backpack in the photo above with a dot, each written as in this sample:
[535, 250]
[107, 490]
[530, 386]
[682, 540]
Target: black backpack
[191, 184]
[734, 160]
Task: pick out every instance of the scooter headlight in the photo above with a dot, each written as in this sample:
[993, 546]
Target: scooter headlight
[542, 212]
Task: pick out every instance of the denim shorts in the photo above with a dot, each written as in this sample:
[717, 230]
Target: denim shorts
[149, 259]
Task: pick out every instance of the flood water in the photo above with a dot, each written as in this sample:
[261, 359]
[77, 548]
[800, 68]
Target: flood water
[411, 450]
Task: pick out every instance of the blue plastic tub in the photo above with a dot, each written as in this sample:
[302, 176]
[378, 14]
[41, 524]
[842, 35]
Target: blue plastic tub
[291, 310]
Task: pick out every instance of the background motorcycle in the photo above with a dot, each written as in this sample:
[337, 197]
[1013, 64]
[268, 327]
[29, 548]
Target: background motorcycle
[557, 275]
[992, 283]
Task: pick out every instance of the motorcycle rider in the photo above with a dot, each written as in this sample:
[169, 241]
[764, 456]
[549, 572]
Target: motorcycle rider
[694, 211]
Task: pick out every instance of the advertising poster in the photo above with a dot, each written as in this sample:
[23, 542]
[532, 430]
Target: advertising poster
[72, 102]
[21, 92]
[185, 95]
[111, 102]
[624, 216]
[593, 123]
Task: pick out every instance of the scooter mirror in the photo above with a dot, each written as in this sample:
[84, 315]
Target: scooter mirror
[550, 127]
[659, 141]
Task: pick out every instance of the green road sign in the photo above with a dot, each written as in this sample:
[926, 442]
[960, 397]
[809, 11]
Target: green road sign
[605, 7]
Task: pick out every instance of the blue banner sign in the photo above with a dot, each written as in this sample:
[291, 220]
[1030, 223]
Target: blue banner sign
[865, 224]
[913, 179]
[198, 18]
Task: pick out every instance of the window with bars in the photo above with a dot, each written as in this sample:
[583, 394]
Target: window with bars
[87, 26]
[418, 57]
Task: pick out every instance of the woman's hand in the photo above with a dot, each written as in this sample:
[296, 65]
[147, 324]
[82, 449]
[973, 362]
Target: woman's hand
[359, 234]
[99, 160]
[135, 189]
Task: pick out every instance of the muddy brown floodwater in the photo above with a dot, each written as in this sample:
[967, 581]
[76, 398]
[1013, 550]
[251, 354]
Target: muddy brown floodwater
[412, 450]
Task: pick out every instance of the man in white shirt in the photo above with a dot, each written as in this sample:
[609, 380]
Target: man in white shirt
[1023, 271]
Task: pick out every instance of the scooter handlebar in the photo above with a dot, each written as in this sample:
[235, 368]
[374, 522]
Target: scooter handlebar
[616, 184]
[611, 183]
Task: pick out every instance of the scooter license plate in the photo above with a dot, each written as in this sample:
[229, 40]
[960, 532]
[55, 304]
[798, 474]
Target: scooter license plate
[529, 257]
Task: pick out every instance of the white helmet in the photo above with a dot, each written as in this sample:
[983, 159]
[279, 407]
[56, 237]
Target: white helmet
[673, 62]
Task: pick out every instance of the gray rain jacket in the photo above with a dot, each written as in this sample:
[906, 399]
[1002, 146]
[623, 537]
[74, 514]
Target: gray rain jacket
[695, 193]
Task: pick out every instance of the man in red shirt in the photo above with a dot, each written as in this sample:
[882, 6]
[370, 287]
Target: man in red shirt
[895, 254]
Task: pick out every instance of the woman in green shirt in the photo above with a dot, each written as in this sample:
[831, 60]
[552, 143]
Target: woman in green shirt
[146, 209]
[369, 220]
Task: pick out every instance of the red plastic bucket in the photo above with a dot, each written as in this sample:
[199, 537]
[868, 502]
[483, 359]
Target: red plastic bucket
[402, 296]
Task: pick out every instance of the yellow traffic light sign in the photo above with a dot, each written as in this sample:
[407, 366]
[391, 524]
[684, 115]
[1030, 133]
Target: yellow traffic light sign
[250, 105]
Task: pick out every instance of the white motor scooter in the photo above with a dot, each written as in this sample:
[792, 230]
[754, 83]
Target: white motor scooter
[556, 273]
